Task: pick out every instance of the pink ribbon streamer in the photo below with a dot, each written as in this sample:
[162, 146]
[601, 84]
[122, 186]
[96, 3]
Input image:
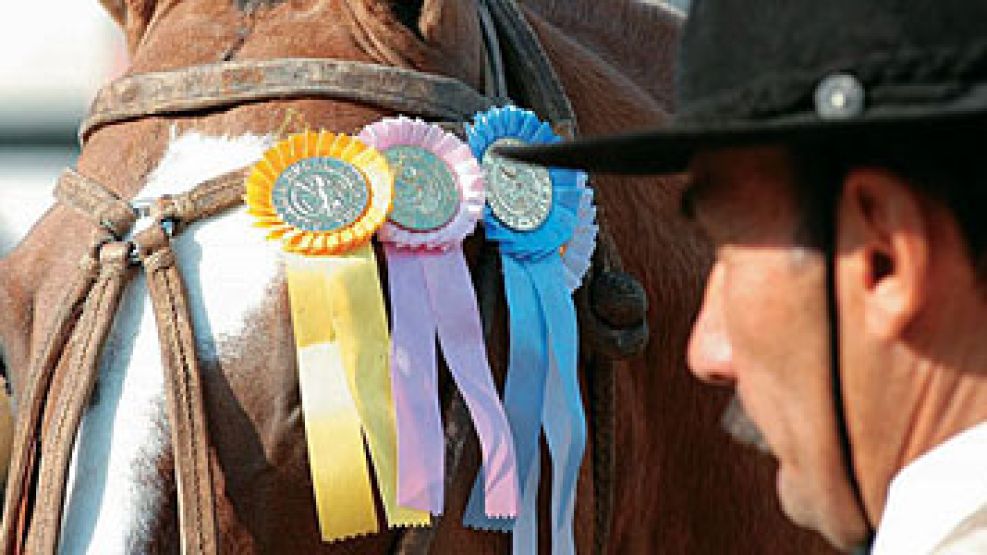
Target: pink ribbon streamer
[448, 309]
[432, 296]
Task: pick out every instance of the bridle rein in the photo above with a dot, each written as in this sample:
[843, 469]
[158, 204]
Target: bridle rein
[62, 372]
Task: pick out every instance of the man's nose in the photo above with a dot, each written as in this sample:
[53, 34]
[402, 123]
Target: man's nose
[710, 354]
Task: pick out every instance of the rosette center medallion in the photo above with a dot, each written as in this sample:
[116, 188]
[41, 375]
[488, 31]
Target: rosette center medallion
[320, 194]
[425, 192]
[519, 194]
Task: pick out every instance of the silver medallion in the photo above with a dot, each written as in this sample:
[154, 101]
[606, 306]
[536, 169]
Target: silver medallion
[519, 194]
[425, 193]
[320, 194]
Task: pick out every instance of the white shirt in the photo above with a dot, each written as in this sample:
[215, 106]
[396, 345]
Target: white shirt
[938, 503]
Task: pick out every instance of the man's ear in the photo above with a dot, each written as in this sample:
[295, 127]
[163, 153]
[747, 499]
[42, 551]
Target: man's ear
[133, 17]
[884, 233]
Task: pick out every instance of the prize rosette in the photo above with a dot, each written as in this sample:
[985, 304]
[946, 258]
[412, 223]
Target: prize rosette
[323, 196]
[439, 198]
[533, 213]
[577, 254]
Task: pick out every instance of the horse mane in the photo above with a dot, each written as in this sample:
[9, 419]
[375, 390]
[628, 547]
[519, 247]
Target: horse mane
[639, 36]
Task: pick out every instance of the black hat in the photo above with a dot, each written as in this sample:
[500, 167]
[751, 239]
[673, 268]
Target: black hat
[781, 71]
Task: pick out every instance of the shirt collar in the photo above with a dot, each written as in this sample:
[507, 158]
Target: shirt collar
[934, 494]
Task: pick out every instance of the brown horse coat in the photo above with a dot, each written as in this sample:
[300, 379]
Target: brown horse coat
[681, 487]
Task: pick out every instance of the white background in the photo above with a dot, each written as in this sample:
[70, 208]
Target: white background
[55, 55]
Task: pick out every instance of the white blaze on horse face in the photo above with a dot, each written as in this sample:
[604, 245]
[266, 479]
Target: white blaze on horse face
[112, 494]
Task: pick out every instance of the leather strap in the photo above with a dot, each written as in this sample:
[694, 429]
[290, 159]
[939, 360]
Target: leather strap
[95, 202]
[71, 388]
[226, 84]
[495, 78]
[532, 74]
[62, 375]
[208, 199]
[183, 389]
[31, 406]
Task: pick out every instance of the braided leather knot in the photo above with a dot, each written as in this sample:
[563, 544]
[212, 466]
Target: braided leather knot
[176, 208]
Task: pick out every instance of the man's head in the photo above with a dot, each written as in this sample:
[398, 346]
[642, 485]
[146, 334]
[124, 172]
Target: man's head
[763, 329]
[833, 150]
[887, 234]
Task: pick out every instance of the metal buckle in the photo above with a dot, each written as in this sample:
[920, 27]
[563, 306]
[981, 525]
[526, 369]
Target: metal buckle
[143, 208]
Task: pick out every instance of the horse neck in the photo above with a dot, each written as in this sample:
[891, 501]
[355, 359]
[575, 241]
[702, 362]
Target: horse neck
[637, 37]
[605, 94]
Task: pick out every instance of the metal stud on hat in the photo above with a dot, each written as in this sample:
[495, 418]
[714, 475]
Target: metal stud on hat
[839, 96]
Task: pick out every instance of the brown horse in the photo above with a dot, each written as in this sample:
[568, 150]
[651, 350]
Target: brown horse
[680, 486]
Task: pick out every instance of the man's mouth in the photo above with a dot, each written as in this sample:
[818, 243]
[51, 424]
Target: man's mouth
[743, 430]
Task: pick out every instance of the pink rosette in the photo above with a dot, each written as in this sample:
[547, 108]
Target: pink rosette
[431, 295]
[458, 158]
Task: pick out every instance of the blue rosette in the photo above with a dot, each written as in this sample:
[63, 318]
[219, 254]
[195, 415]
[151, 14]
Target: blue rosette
[531, 213]
[510, 122]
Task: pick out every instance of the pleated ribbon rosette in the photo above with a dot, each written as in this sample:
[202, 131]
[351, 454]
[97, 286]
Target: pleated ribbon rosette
[577, 254]
[324, 195]
[532, 213]
[439, 198]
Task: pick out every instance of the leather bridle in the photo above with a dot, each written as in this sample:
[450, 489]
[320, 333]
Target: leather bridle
[63, 370]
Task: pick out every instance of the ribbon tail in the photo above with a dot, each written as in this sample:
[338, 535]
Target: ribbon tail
[525, 537]
[362, 331]
[460, 332]
[524, 393]
[564, 418]
[414, 375]
[343, 495]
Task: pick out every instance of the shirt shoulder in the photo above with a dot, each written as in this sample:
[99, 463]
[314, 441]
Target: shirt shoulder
[938, 503]
[969, 538]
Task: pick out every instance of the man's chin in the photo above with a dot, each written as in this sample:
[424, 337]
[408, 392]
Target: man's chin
[806, 512]
[793, 502]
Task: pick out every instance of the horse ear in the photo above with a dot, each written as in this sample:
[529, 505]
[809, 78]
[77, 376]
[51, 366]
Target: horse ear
[117, 10]
[450, 24]
[132, 16]
[440, 36]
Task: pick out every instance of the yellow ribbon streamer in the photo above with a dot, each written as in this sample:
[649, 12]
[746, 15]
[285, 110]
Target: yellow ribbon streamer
[341, 337]
[342, 341]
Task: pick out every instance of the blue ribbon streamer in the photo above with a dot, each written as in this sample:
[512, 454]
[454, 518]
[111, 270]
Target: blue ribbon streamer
[564, 420]
[542, 389]
[524, 390]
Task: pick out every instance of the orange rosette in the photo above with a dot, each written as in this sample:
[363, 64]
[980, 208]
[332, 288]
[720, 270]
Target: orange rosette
[336, 216]
[323, 195]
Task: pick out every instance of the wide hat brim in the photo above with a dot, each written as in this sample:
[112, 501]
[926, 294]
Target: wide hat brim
[669, 149]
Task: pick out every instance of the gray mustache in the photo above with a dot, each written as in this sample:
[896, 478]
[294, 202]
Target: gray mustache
[741, 428]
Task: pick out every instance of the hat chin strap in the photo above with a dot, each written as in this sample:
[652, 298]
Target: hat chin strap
[842, 431]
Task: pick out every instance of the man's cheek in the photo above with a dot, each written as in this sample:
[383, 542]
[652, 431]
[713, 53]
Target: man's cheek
[746, 309]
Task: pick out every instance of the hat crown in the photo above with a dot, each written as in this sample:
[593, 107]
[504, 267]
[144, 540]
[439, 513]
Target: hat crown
[760, 58]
